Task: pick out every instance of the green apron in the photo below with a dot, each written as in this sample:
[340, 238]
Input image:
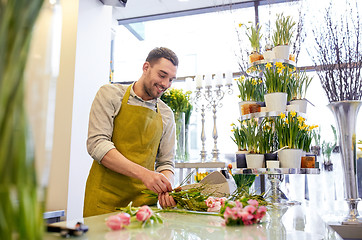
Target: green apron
[136, 134]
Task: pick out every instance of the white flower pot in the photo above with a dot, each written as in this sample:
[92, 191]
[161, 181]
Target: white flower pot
[291, 108]
[276, 101]
[290, 158]
[301, 103]
[268, 55]
[281, 52]
[255, 160]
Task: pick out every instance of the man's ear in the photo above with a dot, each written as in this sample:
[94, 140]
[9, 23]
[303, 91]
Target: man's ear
[146, 66]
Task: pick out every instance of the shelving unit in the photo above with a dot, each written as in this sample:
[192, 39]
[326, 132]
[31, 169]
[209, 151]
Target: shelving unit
[274, 175]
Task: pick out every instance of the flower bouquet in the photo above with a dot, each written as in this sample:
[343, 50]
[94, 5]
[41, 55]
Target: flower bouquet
[180, 103]
[245, 212]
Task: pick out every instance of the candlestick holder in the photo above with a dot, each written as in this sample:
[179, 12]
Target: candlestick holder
[213, 99]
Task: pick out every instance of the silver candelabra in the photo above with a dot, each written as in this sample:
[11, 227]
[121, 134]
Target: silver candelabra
[213, 99]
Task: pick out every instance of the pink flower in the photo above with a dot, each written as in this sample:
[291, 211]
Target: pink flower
[210, 202]
[260, 213]
[144, 213]
[238, 204]
[216, 207]
[250, 208]
[228, 213]
[119, 221]
[253, 202]
[221, 200]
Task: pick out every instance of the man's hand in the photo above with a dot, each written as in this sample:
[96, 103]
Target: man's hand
[156, 182]
[166, 200]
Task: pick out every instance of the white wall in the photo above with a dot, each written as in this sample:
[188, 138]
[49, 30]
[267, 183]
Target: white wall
[91, 71]
[84, 67]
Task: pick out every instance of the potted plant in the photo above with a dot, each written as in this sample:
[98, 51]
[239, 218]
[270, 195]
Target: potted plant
[239, 138]
[254, 35]
[252, 90]
[298, 86]
[276, 77]
[268, 54]
[252, 132]
[282, 36]
[316, 137]
[288, 131]
[267, 141]
[327, 149]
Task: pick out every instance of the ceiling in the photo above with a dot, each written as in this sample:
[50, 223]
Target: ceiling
[144, 10]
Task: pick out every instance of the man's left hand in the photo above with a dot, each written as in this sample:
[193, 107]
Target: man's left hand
[166, 200]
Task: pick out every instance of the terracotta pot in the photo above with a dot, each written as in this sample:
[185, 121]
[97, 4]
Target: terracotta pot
[255, 56]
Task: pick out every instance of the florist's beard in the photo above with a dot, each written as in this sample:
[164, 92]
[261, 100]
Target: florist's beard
[153, 91]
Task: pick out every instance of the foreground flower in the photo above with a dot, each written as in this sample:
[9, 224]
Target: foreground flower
[235, 213]
[144, 213]
[118, 221]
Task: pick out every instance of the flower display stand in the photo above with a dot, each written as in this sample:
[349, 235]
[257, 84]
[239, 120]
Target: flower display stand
[275, 177]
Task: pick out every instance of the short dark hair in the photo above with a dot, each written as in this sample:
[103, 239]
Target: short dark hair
[162, 52]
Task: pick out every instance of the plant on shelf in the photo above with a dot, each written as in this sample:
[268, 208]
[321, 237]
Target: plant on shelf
[287, 128]
[306, 135]
[277, 77]
[327, 149]
[267, 143]
[251, 88]
[298, 84]
[239, 136]
[316, 138]
[283, 32]
[252, 133]
[254, 35]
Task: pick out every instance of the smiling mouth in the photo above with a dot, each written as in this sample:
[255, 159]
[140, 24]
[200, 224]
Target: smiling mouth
[160, 89]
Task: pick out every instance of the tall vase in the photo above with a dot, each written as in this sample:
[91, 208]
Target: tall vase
[345, 113]
[180, 136]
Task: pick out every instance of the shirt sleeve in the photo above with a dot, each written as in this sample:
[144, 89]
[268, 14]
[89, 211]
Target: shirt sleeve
[166, 150]
[105, 107]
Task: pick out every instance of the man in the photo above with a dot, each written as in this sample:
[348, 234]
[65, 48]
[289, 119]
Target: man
[132, 132]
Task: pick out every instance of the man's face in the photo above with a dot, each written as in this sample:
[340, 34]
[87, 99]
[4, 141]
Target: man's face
[158, 77]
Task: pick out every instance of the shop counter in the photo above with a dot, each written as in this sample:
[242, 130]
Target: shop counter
[292, 222]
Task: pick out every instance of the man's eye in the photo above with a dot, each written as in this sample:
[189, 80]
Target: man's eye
[162, 76]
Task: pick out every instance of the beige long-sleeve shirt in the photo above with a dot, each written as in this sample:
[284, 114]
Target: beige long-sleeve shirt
[105, 108]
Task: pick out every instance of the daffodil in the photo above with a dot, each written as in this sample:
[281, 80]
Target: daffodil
[268, 65]
[282, 115]
[292, 113]
[279, 65]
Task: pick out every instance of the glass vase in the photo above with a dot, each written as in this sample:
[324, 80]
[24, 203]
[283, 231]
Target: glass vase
[180, 136]
[345, 114]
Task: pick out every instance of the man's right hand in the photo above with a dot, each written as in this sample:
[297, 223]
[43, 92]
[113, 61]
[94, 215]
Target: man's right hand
[156, 182]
